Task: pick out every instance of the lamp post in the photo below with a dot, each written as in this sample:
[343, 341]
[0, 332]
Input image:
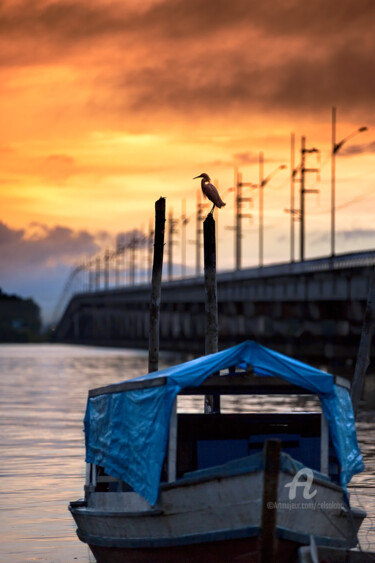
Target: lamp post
[262, 183]
[335, 149]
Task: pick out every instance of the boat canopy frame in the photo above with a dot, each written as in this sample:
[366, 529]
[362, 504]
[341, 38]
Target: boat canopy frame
[127, 425]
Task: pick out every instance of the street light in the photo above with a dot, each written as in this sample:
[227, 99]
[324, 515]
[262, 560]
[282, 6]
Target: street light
[335, 149]
[262, 183]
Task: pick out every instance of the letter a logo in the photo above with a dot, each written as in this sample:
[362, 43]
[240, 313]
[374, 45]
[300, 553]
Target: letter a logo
[306, 484]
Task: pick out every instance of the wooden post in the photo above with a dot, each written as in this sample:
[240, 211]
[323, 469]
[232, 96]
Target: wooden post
[363, 356]
[157, 270]
[211, 332]
[268, 544]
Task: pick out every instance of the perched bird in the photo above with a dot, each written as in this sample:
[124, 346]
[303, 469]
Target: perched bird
[210, 191]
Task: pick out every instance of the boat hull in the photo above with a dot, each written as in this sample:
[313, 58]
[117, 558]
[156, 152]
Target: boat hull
[215, 551]
[214, 515]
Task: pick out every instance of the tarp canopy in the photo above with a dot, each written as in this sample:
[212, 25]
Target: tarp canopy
[127, 432]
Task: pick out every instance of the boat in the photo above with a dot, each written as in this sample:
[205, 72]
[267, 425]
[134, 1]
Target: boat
[314, 554]
[164, 485]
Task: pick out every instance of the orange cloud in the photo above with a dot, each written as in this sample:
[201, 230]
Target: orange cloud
[109, 104]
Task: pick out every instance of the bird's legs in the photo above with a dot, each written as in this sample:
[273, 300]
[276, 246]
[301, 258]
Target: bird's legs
[212, 210]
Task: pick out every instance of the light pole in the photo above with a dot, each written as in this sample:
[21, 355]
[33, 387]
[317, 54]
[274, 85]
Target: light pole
[262, 183]
[303, 192]
[292, 182]
[335, 149]
[239, 215]
[184, 221]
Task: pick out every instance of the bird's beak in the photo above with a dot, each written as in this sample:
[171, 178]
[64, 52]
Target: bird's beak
[197, 177]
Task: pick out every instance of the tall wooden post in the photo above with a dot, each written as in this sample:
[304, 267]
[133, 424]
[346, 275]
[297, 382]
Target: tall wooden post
[198, 234]
[268, 542]
[211, 332]
[157, 270]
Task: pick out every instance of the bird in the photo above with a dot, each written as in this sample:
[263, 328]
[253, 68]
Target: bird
[210, 191]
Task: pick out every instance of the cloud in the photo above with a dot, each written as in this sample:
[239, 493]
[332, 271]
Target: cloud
[4, 149]
[135, 236]
[37, 262]
[58, 168]
[41, 247]
[71, 22]
[357, 234]
[177, 56]
[344, 235]
[246, 158]
[357, 149]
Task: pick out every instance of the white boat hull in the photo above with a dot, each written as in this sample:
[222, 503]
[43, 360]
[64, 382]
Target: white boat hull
[210, 512]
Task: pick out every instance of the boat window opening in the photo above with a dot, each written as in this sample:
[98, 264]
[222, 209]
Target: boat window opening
[208, 440]
[248, 410]
[104, 483]
[252, 403]
[276, 403]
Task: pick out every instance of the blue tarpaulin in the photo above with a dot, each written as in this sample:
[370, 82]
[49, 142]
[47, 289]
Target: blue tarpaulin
[127, 432]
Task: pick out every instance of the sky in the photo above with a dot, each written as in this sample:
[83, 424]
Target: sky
[108, 105]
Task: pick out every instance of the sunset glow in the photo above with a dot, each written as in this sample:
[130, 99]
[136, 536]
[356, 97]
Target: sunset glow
[107, 106]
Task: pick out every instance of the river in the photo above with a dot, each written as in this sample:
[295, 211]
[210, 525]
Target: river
[43, 392]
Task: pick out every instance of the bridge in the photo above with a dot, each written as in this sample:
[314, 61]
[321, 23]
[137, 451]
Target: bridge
[311, 310]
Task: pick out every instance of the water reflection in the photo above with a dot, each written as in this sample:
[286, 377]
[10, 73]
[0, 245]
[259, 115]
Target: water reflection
[43, 391]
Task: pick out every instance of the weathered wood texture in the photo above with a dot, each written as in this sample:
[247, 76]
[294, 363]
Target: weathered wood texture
[212, 325]
[157, 269]
[268, 545]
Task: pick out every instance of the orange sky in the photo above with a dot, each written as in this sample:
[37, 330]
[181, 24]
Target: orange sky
[107, 105]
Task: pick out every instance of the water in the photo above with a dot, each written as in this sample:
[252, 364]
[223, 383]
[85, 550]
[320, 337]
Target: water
[43, 392]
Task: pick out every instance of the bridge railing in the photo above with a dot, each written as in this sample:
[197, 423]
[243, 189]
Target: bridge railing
[79, 280]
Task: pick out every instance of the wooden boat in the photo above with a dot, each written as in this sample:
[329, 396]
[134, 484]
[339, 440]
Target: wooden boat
[166, 486]
[314, 554]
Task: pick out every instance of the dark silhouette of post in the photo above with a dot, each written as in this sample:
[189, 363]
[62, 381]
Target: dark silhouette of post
[363, 356]
[212, 331]
[268, 541]
[157, 270]
[198, 233]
